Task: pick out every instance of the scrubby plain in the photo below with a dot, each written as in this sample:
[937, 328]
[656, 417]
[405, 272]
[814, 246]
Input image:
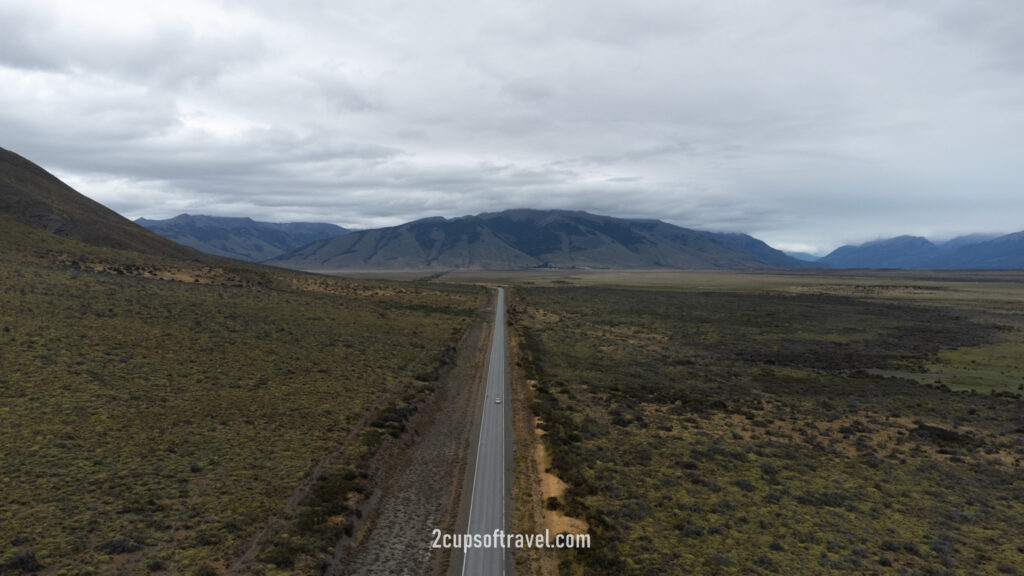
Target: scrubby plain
[167, 416]
[783, 424]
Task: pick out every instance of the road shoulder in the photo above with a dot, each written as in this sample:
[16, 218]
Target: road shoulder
[421, 473]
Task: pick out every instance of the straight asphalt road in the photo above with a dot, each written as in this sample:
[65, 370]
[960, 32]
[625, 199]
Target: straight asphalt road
[487, 503]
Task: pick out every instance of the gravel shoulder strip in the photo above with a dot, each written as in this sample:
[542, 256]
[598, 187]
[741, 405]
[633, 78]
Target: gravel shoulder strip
[421, 473]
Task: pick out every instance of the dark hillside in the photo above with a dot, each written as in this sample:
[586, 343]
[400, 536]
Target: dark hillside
[33, 196]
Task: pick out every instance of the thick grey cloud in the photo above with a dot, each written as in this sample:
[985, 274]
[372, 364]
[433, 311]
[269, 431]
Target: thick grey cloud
[808, 124]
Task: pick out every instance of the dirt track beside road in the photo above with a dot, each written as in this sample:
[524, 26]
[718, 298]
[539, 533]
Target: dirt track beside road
[421, 473]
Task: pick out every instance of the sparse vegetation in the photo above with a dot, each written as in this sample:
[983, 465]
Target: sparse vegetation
[793, 430]
[156, 414]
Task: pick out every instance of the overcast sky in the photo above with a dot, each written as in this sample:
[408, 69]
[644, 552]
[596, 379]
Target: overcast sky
[808, 124]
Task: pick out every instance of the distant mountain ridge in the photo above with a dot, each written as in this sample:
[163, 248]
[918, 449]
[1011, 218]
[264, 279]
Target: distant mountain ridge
[241, 238]
[804, 256]
[522, 238]
[1001, 253]
[32, 198]
[899, 252]
[972, 252]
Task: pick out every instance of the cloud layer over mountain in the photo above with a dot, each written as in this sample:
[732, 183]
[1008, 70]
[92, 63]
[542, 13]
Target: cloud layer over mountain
[806, 124]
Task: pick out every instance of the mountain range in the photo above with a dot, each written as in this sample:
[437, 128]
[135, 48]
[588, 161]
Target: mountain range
[509, 240]
[514, 239]
[976, 251]
[521, 239]
[241, 238]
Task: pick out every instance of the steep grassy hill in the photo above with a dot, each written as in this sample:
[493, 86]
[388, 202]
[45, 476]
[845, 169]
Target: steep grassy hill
[33, 196]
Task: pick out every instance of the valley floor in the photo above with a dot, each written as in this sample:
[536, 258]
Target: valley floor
[172, 417]
[715, 423]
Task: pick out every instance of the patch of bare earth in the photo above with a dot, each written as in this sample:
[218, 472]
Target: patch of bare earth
[552, 486]
[533, 482]
[420, 476]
